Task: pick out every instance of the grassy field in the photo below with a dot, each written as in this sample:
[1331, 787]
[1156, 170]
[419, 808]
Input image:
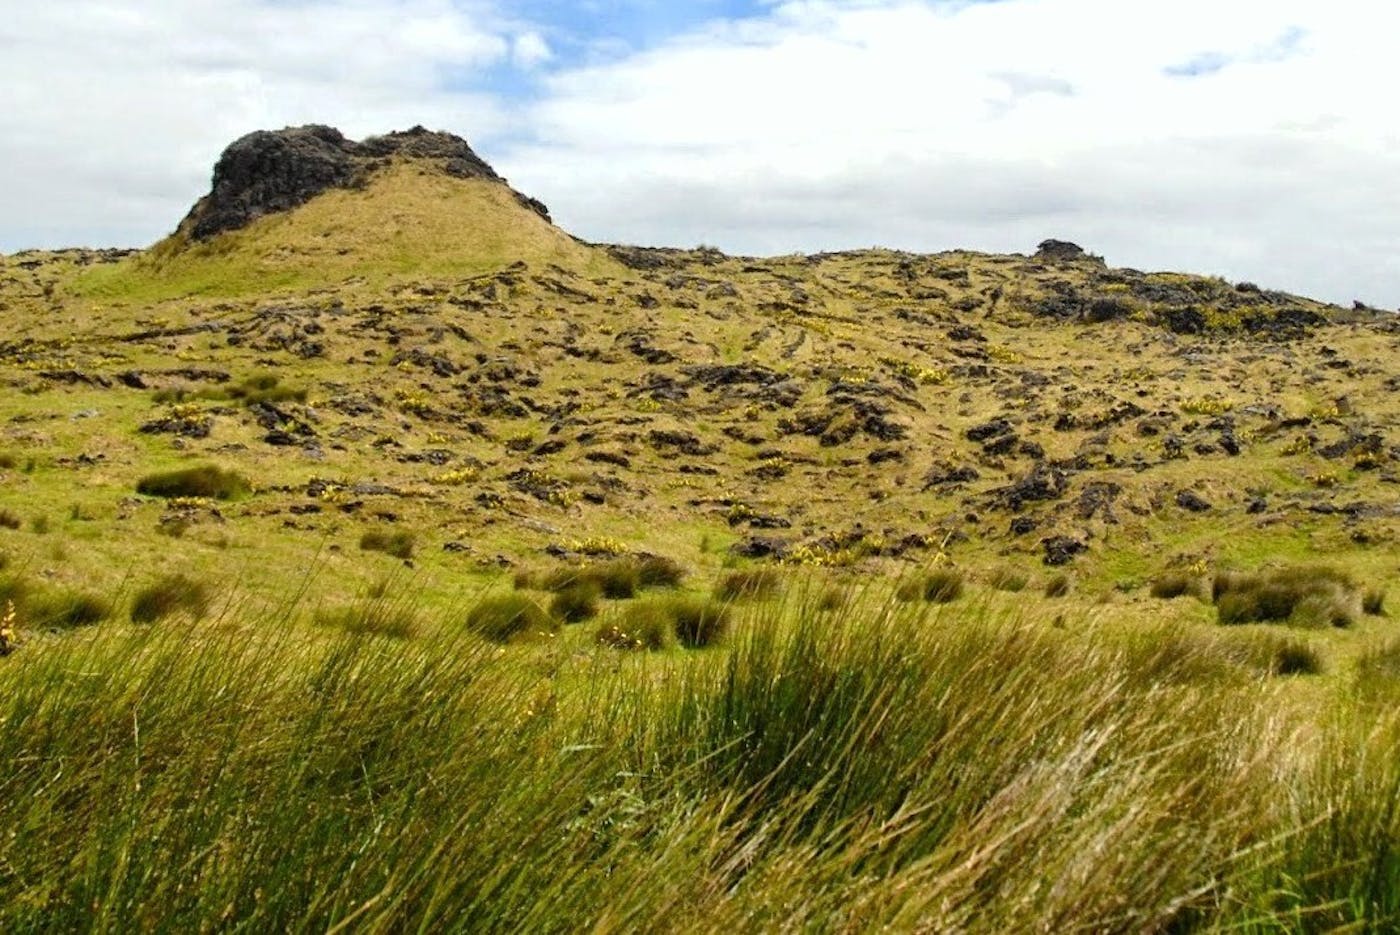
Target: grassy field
[841, 761]
[401, 562]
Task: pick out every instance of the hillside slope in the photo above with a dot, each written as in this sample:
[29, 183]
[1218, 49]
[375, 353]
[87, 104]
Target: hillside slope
[453, 365]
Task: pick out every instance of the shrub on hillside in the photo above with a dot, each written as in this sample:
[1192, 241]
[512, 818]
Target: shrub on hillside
[396, 542]
[502, 619]
[203, 481]
[168, 595]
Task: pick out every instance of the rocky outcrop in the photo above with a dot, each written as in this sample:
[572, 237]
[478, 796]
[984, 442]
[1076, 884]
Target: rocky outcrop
[267, 172]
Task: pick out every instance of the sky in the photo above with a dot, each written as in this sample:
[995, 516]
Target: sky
[1257, 141]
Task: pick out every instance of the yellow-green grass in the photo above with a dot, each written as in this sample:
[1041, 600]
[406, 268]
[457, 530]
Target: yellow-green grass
[406, 222]
[903, 766]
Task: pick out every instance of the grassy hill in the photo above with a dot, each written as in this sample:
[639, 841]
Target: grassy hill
[1034, 543]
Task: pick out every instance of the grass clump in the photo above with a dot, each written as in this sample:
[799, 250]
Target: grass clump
[508, 617]
[1295, 657]
[616, 579]
[264, 388]
[10, 519]
[1309, 596]
[66, 609]
[1058, 586]
[1373, 602]
[208, 481]
[1174, 584]
[697, 622]
[396, 542]
[374, 617]
[1008, 579]
[749, 584]
[576, 603]
[658, 571]
[168, 595]
[939, 586]
[648, 624]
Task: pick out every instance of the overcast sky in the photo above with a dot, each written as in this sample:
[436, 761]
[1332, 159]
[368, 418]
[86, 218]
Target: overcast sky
[1253, 140]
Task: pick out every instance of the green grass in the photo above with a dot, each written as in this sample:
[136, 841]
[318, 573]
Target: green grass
[978, 775]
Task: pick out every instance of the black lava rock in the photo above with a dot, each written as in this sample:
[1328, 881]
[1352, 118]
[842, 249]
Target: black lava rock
[276, 170]
[1061, 550]
[1190, 500]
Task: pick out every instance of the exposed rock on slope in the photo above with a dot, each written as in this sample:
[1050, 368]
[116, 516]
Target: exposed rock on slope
[270, 171]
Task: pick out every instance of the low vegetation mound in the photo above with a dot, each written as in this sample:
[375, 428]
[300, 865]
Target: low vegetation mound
[1311, 595]
[207, 481]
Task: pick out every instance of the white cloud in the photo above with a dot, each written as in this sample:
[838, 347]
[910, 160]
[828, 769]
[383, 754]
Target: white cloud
[117, 111]
[1257, 140]
[530, 50]
[935, 125]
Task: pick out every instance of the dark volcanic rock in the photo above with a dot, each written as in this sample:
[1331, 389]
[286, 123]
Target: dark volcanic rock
[1042, 483]
[1190, 500]
[760, 547]
[1058, 250]
[1061, 550]
[270, 171]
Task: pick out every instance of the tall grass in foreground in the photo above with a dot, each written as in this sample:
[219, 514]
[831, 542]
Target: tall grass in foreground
[891, 765]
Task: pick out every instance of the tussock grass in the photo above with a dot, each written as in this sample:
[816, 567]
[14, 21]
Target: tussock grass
[508, 617]
[371, 617]
[396, 542]
[205, 480]
[264, 388]
[64, 609]
[10, 519]
[1309, 596]
[938, 586]
[616, 579]
[658, 571]
[1058, 586]
[697, 621]
[576, 603]
[1373, 602]
[981, 775]
[749, 584]
[168, 595]
[647, 624]
[1008, 579]
[1175, 584]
